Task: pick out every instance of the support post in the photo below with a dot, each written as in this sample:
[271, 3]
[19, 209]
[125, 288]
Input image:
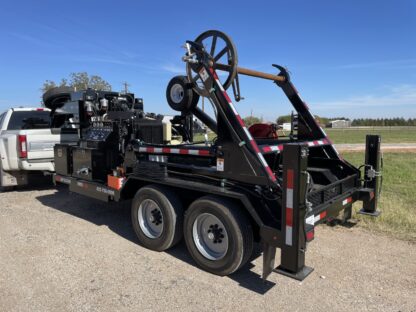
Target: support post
[269, 253]
[372, 175]
[295, 161]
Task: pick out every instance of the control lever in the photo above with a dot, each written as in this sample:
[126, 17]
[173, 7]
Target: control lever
[190, 56]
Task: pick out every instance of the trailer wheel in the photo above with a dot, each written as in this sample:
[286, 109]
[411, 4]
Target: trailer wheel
[218, 235]
[56, 97]
[180, 95]
[157, 217]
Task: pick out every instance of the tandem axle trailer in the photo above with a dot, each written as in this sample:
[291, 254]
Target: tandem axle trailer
[248, 185]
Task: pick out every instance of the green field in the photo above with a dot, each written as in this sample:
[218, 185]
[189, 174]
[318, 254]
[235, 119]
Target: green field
[388, 134]
[357, 135]
[398, 197]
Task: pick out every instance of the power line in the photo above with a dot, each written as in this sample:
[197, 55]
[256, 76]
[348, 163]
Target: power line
[126, 87]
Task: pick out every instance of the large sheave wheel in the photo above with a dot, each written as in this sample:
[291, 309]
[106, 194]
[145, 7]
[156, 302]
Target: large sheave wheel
[157, 217]
[218, 235]
[223, 54]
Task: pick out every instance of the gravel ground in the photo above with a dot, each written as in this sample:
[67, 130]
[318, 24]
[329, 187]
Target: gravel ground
[65, 252]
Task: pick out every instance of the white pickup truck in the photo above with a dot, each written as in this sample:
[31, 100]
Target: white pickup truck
[27, 139]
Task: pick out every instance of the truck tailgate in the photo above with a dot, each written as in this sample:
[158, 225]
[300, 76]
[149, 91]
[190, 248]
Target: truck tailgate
[40, 142]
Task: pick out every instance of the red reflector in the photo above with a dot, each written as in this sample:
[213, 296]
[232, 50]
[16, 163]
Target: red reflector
[310, 235]
[40, 109]
[371, 195]
[289, 177]
[22, 146]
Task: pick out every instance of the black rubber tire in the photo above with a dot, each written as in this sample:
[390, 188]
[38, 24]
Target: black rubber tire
[190, 98]
[238, 227]
[5, 189]
[172, 211]
[57, 97]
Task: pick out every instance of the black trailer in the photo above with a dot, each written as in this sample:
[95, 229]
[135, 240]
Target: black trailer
[223, 195]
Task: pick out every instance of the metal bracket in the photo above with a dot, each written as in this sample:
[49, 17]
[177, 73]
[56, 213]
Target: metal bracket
[371, 214]
[300, 275]
[371, 172]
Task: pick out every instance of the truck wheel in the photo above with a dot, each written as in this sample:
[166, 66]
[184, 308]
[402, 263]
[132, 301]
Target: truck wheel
[157, 217]
[4, 189]
[218, 235]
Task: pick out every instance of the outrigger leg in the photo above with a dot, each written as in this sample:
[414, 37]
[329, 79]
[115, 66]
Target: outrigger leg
[372, 176]
[295, 231]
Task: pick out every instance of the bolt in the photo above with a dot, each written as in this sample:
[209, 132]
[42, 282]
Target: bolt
[211, 236]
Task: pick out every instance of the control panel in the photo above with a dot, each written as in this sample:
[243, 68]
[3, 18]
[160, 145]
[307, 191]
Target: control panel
[99, 131]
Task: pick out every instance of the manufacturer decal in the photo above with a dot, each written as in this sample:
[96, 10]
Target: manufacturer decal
[204, 75]
[220, 164]
[105, 190]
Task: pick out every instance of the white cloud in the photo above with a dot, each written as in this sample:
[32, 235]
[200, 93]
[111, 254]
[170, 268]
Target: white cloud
[173, 69]
[401, 95]
[406, 63]
[32, 39]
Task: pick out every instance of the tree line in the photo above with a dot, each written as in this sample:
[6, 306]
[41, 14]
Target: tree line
[80, 81]
[359, 122]
[388, 122]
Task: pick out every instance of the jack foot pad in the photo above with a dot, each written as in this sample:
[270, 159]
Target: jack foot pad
[300, 276]
[372, 214]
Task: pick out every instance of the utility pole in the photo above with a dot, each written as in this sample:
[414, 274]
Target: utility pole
[126, 85]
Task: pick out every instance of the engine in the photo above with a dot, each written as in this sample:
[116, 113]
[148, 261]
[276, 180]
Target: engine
[107, 122]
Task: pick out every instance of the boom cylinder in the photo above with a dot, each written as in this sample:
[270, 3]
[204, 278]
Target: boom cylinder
[252, 73]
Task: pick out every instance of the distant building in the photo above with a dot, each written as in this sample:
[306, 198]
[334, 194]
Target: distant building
[287, 126]
[340, 123]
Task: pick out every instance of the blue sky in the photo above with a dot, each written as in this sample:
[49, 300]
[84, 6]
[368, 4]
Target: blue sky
[347, 58]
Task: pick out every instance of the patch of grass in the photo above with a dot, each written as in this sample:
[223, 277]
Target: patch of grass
[388, 134]
[357, 135]
[201, 136]
[398, 196]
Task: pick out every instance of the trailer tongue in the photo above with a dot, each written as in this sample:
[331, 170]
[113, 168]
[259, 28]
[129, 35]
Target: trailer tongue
[247, 185]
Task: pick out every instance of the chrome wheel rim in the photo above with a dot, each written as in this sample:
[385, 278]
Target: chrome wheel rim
[177, 93]
[210, 236]
[150, 218]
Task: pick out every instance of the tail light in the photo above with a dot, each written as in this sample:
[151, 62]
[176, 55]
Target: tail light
[22, 146]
